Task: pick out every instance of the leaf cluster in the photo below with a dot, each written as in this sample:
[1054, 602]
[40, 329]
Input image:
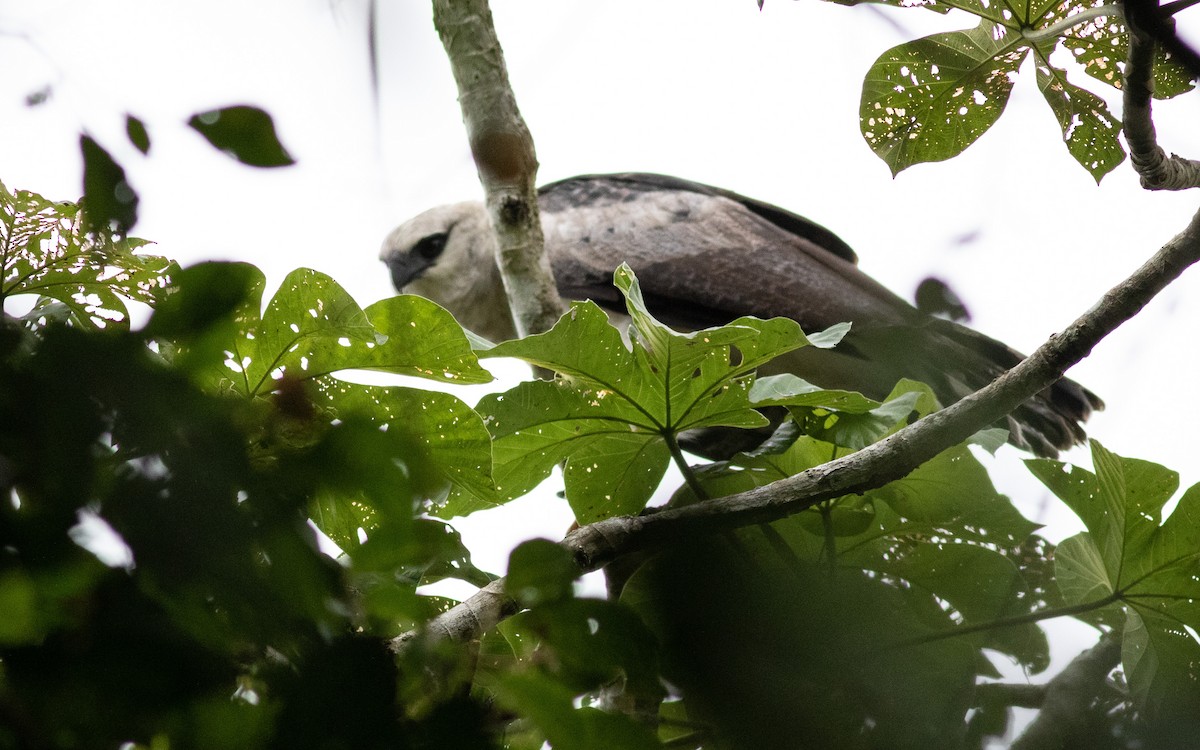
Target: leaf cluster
[930, 98]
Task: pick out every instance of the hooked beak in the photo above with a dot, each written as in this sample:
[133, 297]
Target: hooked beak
[406, 268]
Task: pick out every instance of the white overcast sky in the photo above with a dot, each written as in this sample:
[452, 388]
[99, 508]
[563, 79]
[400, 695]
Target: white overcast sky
[764, 103]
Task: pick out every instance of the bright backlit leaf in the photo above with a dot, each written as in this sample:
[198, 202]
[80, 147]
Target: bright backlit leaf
[81, 276]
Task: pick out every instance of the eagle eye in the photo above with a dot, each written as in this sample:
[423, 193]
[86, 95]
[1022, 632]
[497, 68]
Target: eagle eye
[432, 246]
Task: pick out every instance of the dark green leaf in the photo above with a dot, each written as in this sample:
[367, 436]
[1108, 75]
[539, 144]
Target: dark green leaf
[245, 133]
[550, 706]
[540, 571]
[110, 203]
[136, 130]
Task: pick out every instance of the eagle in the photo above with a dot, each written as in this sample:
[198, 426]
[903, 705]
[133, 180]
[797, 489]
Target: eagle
[705, 256]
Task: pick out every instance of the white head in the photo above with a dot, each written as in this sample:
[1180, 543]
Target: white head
[448, 255]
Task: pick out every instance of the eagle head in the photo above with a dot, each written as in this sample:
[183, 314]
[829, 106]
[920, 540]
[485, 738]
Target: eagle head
[448, 255]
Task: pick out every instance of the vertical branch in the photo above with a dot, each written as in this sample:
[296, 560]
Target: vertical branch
[504, 156]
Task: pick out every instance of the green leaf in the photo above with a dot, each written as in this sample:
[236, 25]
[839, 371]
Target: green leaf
[550, 706]
[1089, 129]
[447, 435]
[613, 475]
[537, 425]
[1129, 555]
[943, 530]
[136, 130]
[245, 133]
[929, 99]
[110, 203]
[312, 328]
[540, 571]
[46, 250]
[1101, 46]
[422, 551]
[615, 409]
[1079, 569]
[422, 340]
[786, 389]
[301, 333]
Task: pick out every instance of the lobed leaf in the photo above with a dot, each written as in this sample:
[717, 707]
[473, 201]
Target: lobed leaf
[615, 411]
[1152, 567]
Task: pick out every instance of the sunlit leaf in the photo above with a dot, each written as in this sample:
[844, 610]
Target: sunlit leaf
[46, 250]
[1101, 46]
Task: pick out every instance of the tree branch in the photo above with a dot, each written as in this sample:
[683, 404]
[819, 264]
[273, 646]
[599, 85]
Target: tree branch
[1065, 709]
[597, 544]
[505, 158]
[1157, 170]
[1009, 695]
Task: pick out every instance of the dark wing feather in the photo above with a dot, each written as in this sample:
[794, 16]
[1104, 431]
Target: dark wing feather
[594, 188]
[705, 256]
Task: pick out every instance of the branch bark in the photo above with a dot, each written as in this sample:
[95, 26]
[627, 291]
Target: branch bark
[597, 544]
[1157, 170]
[1007, 694]
[504, 157]
[1068, 697]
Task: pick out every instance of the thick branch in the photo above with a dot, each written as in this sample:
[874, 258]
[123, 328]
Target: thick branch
[1157, 170]
[505, 158]
[597, 544]
[1009, 695]
[1065, 710]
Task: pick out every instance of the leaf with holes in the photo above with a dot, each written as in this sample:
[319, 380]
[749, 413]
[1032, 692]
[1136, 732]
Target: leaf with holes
[1128, 555]
[312, 328]
[1089, 129]
[1101, 46]
[81, 276]
[448, 435]
[928, 99]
